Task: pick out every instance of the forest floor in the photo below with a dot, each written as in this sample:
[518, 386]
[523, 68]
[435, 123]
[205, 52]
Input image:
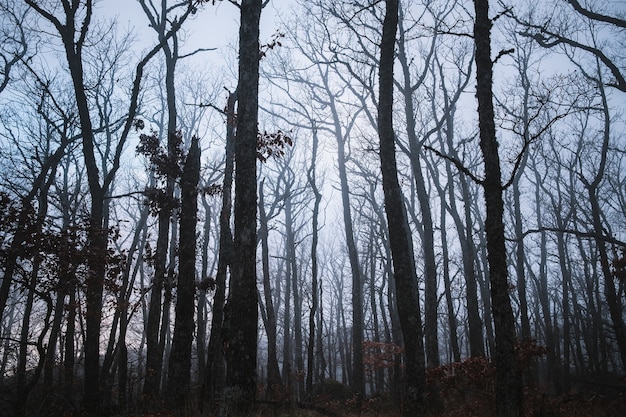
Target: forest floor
[457, 403]
[536, 405]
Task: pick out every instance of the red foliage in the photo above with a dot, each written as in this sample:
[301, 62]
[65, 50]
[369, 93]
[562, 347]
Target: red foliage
[377, 355]
[528, 350]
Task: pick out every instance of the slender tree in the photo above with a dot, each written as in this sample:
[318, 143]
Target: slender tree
[311, 176]
[214, 377]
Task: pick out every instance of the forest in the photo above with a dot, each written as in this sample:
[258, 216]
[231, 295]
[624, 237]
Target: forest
[312, 208]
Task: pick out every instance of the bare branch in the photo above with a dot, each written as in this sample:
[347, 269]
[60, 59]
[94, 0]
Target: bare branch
[597, 16]
[503, 53]
[458, 164]
[579, 233]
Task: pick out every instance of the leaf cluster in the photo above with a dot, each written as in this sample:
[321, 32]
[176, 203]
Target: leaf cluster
[272, 145]
[166, 163]
[275, 42]
[212, 190]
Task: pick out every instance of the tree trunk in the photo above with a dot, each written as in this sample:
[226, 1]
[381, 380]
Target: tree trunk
[399, 237]
[274, 382]
[214, 377]
[22, 388]
[154, 328]
[508, 380]
[314, 274]
[202, 306]
[241, 311]
[180, 355]
[290, 246]
[428, 239]
[69, 359]
[452, 321]
[613, 302]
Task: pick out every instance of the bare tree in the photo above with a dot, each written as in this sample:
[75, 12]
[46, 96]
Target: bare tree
[180, 356]
[508, 382]
[214, 378]
[73, 25]
[315, 302]
[241, 311]
[550, 35]
[403, 264]
[13, 38]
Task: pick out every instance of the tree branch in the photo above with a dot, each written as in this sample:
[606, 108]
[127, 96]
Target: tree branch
[458, 164]
[597, 16]
[587, 235]
[542, 39]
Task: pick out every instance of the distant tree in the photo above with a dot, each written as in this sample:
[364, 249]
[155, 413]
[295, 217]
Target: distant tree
[549, 35]
[13, 38]
[274, 382]
[311, 176]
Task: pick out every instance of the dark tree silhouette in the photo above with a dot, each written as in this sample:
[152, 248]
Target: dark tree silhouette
[241, 315]
[508, 380]
[180, 355]
[399, 238]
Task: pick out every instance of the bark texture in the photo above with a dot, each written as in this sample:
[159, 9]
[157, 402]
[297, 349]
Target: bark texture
[399, 237]
[180, 355]
[508, 378]
[240, 338]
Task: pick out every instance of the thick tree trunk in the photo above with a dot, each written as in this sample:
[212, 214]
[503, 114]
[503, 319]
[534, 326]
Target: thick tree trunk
[97, 238]
[180, 355]
[242, 309]
[508, 379]
[399, 237]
